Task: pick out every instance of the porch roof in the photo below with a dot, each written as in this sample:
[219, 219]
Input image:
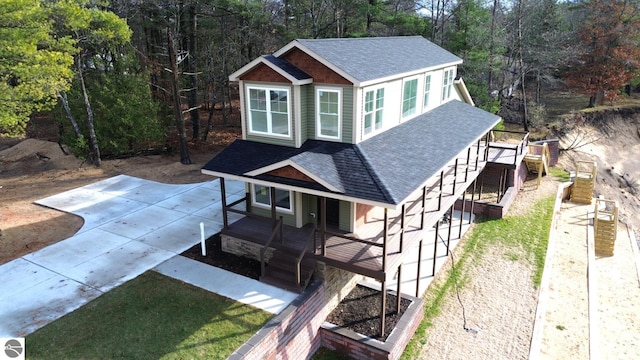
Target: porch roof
[386, 168]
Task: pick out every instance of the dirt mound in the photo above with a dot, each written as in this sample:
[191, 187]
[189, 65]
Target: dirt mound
[32, 155]
[614, 144]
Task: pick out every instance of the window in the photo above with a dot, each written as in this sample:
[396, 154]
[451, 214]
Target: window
[269, 115]
[328, 105]
[409, 98]
[262, 197]
[427, 90]
[447, 84]
[373, 110]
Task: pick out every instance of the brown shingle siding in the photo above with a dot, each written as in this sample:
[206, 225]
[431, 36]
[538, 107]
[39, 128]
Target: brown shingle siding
[265, 74]
[318, 71]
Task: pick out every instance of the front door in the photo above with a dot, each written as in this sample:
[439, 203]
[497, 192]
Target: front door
[333, 213]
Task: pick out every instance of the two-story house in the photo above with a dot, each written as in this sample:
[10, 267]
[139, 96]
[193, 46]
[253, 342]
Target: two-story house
[351, 151]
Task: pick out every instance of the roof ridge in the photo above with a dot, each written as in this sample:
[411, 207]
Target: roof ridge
[380, 183]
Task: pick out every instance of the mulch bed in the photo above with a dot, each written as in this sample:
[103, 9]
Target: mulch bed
[230, 262]
[359, 311]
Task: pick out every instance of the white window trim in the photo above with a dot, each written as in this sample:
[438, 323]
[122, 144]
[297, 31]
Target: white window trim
[265, 206]
[249, 120]
[318, 128]
[447, 88]
[427, 93]
[374, 131]
[418, 107]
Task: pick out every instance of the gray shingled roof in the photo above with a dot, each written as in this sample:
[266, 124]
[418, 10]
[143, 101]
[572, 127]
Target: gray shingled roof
[288, 67]
[367, 59]
[386, 168]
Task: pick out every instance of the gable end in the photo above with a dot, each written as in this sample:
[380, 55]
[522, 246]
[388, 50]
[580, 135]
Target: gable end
[318, 71]
[290, 172]
[266, 74]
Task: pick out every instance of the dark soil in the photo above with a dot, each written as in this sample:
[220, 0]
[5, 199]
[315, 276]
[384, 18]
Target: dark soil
[359, 311]
[230, 262]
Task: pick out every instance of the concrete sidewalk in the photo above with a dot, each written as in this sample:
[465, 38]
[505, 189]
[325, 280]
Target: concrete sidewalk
[589, 305]
[130, 226]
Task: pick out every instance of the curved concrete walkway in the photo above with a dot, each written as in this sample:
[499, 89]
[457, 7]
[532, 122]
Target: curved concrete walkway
[130, 226]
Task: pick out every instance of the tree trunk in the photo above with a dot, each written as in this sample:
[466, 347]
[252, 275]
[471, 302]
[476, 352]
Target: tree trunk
[177, 104]
[65, 104]
[525, 117]
[492, 44]
[189, 40]
[93, 139]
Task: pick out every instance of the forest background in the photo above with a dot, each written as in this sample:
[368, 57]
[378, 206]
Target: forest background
[127, 77]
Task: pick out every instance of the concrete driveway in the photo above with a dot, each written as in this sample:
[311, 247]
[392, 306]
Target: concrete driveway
[131, 225]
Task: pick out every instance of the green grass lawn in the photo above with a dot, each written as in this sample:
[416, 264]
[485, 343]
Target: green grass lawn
[150, 317]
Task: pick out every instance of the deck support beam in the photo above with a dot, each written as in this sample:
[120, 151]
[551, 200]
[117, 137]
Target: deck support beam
[418, 272]
[464, 195]
[383, 306]
[435, 248]
[398, 289]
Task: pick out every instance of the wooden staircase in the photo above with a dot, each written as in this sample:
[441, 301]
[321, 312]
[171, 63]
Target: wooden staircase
[289, 267]
[282, 270]
[537, 160]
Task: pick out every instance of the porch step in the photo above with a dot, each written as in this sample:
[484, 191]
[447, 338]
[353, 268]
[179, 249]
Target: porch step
[281, 271]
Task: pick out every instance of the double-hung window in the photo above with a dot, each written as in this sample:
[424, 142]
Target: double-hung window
[447, 84]
[373, 110]
[427, 90]
[328, 113]
[262, 197]
[269, 111]
[409, 98]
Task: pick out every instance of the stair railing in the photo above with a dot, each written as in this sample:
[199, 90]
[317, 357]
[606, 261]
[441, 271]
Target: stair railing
[277, 232]
[311, 240]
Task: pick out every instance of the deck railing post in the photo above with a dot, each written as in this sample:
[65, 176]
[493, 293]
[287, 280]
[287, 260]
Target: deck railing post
[280, 230]
[272, 195]
[402, 225]
[223, 203]
[441, 188]
[455, 177]
[449, 232]
[323, 224]
[383, 306]
[464, 200]
[477, 155]
[385, 237]
[424, 205]
[473, 198]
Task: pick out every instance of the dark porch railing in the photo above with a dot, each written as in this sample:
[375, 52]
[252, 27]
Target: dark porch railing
[502, 151]
[277, 232]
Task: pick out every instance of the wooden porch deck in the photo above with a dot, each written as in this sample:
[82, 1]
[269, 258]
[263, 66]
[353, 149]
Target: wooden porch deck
[510, 150]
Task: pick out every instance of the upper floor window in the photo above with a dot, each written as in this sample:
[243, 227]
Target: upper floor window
[328, 108]
[262, 197]
[269, 111]
[373, 110]
[427, 90]
[409, 98]
[447, 84]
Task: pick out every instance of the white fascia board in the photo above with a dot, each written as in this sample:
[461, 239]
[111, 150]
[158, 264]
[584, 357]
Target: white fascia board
[300, 189]
[261, 60]
[320, 59]
[462, 88]
[407, 74]
[288, 162]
